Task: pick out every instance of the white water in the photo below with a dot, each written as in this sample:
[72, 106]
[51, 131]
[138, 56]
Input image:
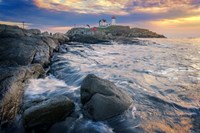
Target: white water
[162, 76]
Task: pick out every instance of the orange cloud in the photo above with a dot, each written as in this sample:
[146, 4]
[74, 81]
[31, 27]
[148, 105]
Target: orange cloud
[119, 7]
[85, 6]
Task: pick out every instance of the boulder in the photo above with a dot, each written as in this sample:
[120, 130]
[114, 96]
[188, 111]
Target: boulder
[102, 99]
[62, 127]
[64, 48]
[34, 31]
[48, 112]
[62, 38]
[23, 53]
[45, 33]
[25, 50]
[11, 88]
[11, 31]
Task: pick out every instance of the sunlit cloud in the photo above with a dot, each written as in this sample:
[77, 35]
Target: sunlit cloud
[86, 6]
[119, 7]
[193, 21]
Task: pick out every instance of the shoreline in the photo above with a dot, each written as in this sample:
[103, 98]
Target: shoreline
[30, 59]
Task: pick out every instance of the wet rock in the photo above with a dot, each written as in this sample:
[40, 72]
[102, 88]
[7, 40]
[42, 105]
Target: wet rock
[23, 53]
[63, 48]
[11, 88]
[48, 112]
[62, 127]
[102, 99]
[62, 38]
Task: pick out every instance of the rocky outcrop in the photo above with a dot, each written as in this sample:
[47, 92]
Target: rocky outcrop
[26, 50]
[34, 31]
[48, 112]
[114, 32]
[86, 35]
[62, 38]
[144, 33]
[45, 33]
[11, 88]
[102, 99]
[11, 31]
[23, 54]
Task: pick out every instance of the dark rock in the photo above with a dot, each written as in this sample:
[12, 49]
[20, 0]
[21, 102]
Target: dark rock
[62, 38]
[126, 40]
[144, 33]
[64, 48]
[11, 88]
[117, 30]
[23, 53]
[48, 112]
[34, 31]
[87, 39]
[25, 50]
[85, 35]
[62, 127]
[102, 99]
[11, 31]
[45, 33]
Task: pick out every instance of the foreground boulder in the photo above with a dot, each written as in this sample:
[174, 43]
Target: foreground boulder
[102, 99]
[23, 54]
[48, 112]
[11, 88]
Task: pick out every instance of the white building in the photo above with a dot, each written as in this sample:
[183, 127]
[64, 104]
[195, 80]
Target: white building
[113, 20]
[103, 23]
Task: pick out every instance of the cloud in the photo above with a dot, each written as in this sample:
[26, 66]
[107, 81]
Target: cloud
[86, 6]
[119, 7]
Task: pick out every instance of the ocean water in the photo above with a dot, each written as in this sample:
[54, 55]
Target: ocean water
[161, 75]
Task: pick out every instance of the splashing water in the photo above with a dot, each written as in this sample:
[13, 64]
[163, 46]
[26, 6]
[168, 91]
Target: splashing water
[163, 77]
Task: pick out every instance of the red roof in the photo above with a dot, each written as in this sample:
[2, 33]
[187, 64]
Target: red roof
[113, 17]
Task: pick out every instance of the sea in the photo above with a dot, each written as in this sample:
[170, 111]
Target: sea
[161, 75]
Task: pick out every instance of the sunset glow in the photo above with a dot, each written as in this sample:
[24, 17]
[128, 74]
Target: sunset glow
[158, 15]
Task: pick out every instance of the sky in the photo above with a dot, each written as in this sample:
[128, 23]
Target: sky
[173, 18]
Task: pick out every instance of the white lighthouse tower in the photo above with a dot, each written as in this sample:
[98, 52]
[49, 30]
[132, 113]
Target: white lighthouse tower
[113, 20]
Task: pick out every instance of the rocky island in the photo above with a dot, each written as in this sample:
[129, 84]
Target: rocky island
[26, 54]
[113, 32]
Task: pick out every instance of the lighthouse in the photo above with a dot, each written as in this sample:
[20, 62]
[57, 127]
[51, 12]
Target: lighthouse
[113, 20]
